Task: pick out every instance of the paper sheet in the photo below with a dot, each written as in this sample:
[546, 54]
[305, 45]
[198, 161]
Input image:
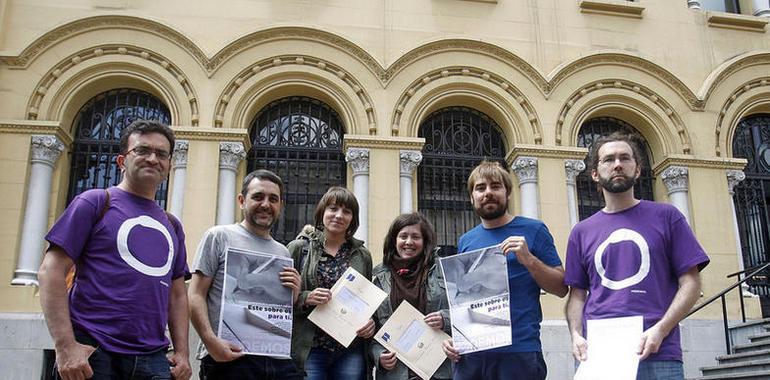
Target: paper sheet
[612, 346]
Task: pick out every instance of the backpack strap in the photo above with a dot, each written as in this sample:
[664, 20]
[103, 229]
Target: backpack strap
[72, 274]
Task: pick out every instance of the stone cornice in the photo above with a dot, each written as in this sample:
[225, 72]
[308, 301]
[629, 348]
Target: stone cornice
[382, 142]
[36, 127]
[212, 134]
[614, 8]
[698, 162]
[736, 21]
[563, 152]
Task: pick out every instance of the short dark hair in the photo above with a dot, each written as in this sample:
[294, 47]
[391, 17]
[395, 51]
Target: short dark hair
[426, 228]
[493, 171]
[632, 139]
[262, 175]
[142, 127]
[339, 196]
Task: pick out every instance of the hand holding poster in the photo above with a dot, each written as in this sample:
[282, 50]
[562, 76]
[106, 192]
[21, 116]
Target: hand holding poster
[478, 295]
[256, 308]
[416, 344]
[354, 300]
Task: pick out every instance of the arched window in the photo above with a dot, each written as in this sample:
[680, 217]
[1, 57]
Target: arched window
[590, 200]
[97, 138]
[752, 195]
[300, 139]
[456, 140]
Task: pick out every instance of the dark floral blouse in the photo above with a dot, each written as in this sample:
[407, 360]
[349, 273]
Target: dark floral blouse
[330, 269]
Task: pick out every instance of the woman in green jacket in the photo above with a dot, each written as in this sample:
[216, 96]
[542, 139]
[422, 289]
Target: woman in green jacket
[322, 257]
[409, 273]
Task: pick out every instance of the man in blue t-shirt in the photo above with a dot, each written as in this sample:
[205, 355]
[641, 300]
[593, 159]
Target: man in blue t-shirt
[533, 264]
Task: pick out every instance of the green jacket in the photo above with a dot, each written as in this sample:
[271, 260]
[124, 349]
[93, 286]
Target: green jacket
[306, 263]
[437, 301]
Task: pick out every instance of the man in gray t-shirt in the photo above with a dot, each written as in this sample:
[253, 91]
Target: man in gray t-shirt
[261, 202]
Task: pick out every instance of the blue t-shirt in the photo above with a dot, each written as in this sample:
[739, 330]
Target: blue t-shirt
[524, 291]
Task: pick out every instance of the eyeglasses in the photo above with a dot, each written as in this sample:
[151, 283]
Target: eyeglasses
[610, 160]
[144, 151]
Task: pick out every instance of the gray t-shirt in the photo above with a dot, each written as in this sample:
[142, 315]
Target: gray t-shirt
[210, 261]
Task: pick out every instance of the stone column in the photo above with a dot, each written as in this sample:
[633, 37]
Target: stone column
[694, 4]
[676, 180]
[572, 169]
[358, 158]
[526, 169]
[180, 174]
[46, 149]
[734, 177]
[230, 155]
[762, 8]
[409, 160]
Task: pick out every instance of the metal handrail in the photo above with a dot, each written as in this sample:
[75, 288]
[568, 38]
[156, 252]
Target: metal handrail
[721, 295]
[743, 271]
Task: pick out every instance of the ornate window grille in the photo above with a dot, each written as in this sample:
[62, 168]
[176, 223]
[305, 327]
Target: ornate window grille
[97, 138]
[590, 200]
[456, 140]
[300, 139]
[752, 195]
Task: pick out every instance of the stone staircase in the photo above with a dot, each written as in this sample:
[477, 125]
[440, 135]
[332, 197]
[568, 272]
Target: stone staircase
[750, 359]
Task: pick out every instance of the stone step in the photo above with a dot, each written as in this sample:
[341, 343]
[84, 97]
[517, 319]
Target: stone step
[742, 357]
[760, 337]
[757, 346]
[738, 367]
[752, 375]
[765, 322]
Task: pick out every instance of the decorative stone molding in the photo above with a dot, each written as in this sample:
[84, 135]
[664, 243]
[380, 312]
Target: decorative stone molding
[675, 178]
[525, 169]
[36, 127]
[734, 177]
[213, 134]
[698, 162]
[612, 8]
[358, 158]
[572, 168]
[736, 21]
[732, 100]
[693, 4]
[310, 62]
[230, 155]
[382, 142]
[563, 152]
[48, 79]
[179, 159]
[640, 90]
[46, 149]
[446, 74]
[409, 160]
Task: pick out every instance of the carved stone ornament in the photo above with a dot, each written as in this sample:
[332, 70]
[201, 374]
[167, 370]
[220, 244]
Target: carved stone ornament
[694, 4]
[526, 169]
[409, 159]
[46, 149]
[573, 168]
[733, 178]
[230, 155]
[358, 158]
[675, 178]
[180, 154]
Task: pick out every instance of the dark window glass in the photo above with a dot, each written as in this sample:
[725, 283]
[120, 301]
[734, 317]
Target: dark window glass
[730, 6]
[300, 139]
[456, 140]
[590, 200]
[752, 142]
[97, 138]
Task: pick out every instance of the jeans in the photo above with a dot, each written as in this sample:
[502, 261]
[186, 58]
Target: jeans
[660, 370]
[501, 366]
[249, 367]
[348, 364]
[114, 366]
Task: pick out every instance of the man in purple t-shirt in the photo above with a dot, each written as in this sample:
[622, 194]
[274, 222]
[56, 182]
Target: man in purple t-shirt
[131, 266]
[632, 258]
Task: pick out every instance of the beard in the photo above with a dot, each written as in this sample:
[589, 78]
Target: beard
[613, 185]
[495, 213]
[255, 220]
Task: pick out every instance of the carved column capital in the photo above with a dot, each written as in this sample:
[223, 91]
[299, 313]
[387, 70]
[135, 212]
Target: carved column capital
[180, 154]
[526, 169]
[573, 168]
[358, 158]
[675, 178]
[694, 4]
[734, 177]
[46, 149]
[409, 160]
[230, 155]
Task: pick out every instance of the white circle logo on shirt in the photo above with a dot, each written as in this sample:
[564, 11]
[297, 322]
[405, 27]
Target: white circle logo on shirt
[618, 236]
[130, 259]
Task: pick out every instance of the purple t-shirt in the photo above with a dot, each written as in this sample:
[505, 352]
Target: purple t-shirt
[630, 263]
[126, 262]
